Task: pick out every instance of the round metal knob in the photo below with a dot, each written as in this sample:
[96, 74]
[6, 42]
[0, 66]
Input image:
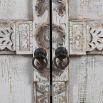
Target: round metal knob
[61, 54]
[40, 56]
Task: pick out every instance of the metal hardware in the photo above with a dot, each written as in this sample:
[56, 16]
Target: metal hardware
[40, 58]
[61, 54]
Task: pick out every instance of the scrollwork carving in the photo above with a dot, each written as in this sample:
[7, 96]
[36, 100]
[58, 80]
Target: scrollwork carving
[59, 92]
[42, 92]
[60, 7]
[96, 39]
[7, 37]
[41, 7]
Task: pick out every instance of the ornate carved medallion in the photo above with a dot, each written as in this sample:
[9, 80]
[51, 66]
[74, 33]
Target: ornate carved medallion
[42, 36]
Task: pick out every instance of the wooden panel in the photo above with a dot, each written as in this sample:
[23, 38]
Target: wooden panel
[60, 94]
[60, 34]
[77, 79]
[42, 95]
[16, 79]
[42, 92]
[24, 42]
[86, 83]
[42, 39]
[95, 79]
[16, 9]
[41, 34]
[86, 9]
[77, 38]
[95, 37]
[7, 36]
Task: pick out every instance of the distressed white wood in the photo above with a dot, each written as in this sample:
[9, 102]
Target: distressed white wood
[77, 38]
[24, 37]
[40, 33]
[41, 40]
[86, 9]
[86, 83]
[95, 81]
[16, 79]
[42, 37]
[60, 34]
[16, 9]
[7, 36]
[94, 37]
[78, 79]
[60, 94]
[42, 92]
[60, 38]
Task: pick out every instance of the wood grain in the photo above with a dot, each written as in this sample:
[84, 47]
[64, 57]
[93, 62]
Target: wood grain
[16, 79]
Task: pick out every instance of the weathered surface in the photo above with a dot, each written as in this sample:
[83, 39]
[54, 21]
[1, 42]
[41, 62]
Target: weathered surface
[95, 37]
[77, 38]
[95, 79]
[78, 79]
[7, 36]
[60, 35]
[24, 37]
[16, 9]
[42, 39]
[16, 79]
[60, 94]
[86, 9]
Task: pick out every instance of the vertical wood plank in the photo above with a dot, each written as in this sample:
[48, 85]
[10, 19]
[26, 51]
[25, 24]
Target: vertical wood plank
[78, 79]
[60, 38]
[41, 40]
[16, 79]
[95, 81]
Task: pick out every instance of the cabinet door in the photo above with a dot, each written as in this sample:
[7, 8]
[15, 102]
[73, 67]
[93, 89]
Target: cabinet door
[60, 42]
[86, 50]
[24, 27]
[16, 71]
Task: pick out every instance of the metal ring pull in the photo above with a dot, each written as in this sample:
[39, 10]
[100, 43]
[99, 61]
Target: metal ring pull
[40, 58]
[63, 59]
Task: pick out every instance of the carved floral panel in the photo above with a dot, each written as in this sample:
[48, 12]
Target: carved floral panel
[60, 93]
[42, 95]
[24, 37]
[42, 92]
[77, 38]
[7, 36]
[95, 37]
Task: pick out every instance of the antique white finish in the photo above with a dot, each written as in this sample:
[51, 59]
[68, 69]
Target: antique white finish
[86, 9]
[77, 38]
[24, 26]
[94, 79]
[85, 84]
[16, 9]
[24, 37]
[95, 36]
[41, 39]
[16, 79]
[7, 36]
[78, 80]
